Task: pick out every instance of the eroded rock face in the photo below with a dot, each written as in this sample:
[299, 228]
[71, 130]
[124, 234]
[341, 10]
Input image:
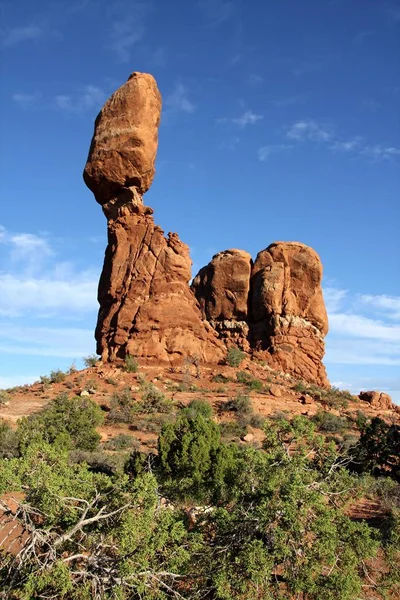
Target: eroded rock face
[146, 306]
[273, 308]
[125, 140]
[288, 314]
[222, 290]
[378, 400]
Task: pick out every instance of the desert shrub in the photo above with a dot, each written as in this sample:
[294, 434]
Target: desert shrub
[219, 378]
[256, 420]
[329, 423]
[72, 420]
[99, 461]
[378, 449]
[91, 360]
[8, 441]
[361, 420]
[57, 376]
[122, 407]
[335, 398]
[300, 387]
[199, 407]
[241, 405]
[153, 400]
[122, 441]
[131, 365]
[234, 357]
[252, 383]
[4, 397]
[72, 370]
[111, 381]
[231, 430]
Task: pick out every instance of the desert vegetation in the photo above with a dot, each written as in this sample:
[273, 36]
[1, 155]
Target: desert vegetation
[200, 515]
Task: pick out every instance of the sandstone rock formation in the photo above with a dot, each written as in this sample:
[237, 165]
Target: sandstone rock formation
[288, 314]
[222, 290]
[146, 306]
[272, 308]
[378, 400]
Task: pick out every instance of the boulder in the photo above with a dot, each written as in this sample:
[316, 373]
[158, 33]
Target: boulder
[378, 400]
[124, 144]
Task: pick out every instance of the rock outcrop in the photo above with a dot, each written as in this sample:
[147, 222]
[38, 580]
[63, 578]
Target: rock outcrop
[272, 308]
[222, 290]
[288, 314]
[378, 400]
[146, 306]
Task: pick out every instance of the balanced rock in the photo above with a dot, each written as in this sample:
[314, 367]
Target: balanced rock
[146, 306]
[378, 400]
[124, 144]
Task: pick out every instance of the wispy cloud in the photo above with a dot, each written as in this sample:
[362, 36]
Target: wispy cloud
[27, 101]
[178, 100]
[265, 152]
[87, 98]
[247, 118]
[388, 305]
[216, 12]
[34, 283]
[18, 35]
[128, 26]
[364, 328]
[309, 130]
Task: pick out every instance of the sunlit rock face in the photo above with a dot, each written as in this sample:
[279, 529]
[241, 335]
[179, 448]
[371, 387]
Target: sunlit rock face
[146, 306]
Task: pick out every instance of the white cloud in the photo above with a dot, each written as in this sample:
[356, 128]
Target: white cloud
[308, 130]
[265, 152]
[27, 101]
[87, 98]
[333, 298]
[387, 304]
[357, 338]
[247, 118]
[15, 36]
[21, 296]
[178, 101]
[33, 283]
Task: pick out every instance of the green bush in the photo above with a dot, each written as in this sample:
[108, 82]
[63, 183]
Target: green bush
[153, 400]
[131, 365]
[57, 376]
[73, 421]
[252, 383]
[378, 450]
[4, 397]
[219, 378]
[8, 441]
[122, 441]
[199, 407]
[329, 423]
[91, 360]
[241, 405]
[234, 357]
[122, 407]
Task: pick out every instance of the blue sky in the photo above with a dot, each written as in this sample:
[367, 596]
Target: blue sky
[280, 122]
